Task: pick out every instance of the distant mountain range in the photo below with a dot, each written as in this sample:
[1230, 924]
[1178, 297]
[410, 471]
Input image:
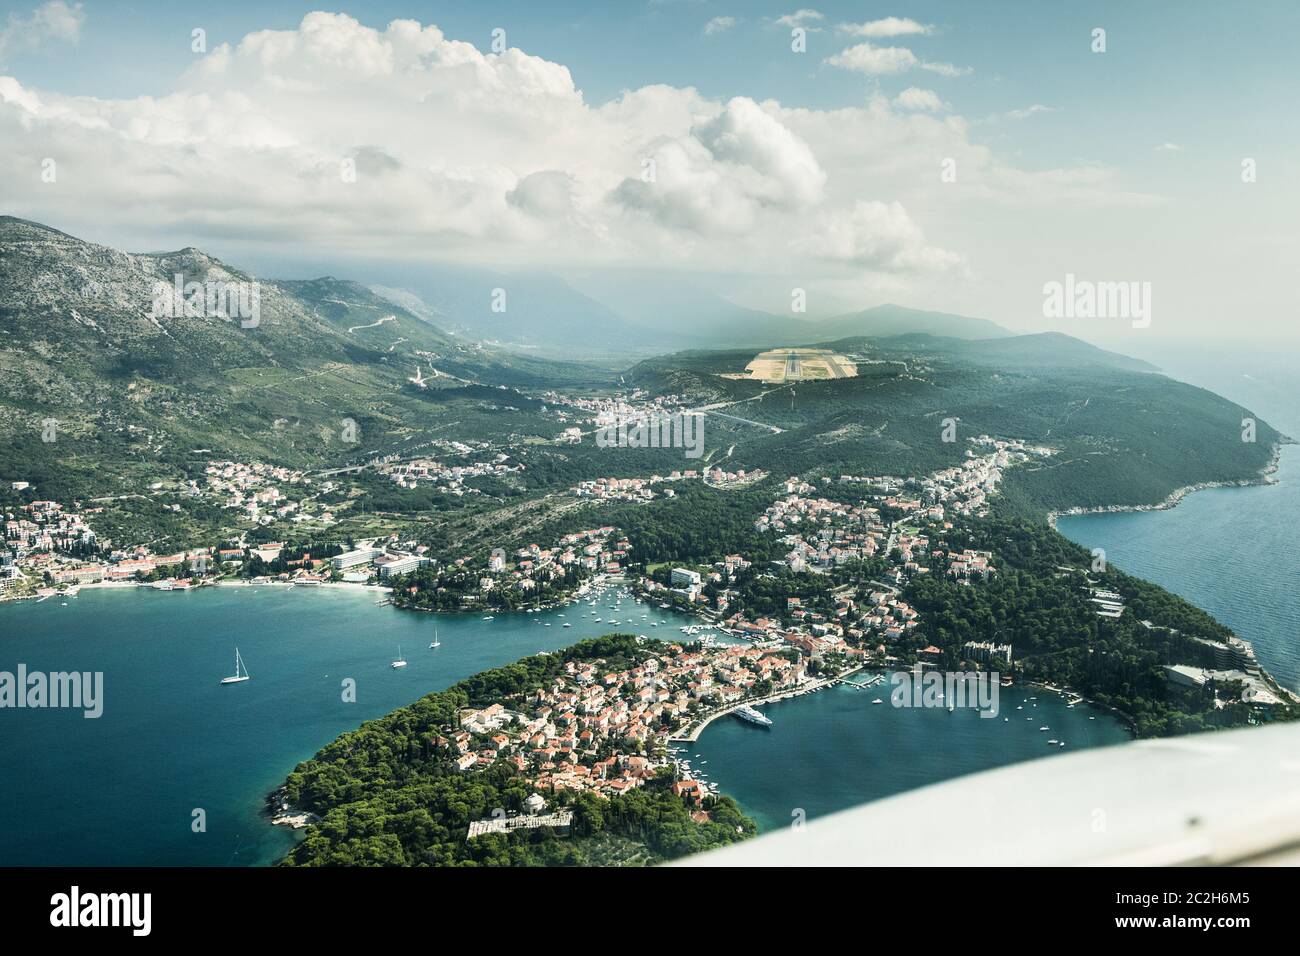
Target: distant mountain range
[635, 317]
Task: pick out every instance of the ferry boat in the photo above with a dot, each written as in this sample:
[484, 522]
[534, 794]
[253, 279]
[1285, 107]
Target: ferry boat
[745, 712]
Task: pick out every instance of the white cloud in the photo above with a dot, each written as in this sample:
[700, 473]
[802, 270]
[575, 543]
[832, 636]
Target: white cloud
[878, 235]
[1027, 112]
[500, 160]
[887, 60]
[800, 18]
[719, 25]
[729, 170]
[947, 69]
[918, 100]
[1169, 148]
[874, 60]
[887, 27]
[53, 21]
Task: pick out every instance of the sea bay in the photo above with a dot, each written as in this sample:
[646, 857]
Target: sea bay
[122, 789]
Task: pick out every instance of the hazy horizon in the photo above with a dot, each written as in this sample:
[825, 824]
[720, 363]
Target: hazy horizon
[929, 155]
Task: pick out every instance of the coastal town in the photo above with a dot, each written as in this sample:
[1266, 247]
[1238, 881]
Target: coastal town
[608, 731]
[822, 525]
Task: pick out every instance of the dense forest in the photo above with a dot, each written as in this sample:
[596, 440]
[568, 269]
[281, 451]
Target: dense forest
[1038, 602]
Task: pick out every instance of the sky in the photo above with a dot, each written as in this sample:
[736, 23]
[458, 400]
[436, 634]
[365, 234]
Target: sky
[957, 156]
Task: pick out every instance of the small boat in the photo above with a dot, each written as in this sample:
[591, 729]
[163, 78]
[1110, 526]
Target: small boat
[1044, 727]
[568, 625]
[399, 662]
[488, 618]
[237, 679]
[877, 701]
[1053, 740]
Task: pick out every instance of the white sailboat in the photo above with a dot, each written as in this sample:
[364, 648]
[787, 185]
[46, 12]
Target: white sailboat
[399, 662]
[239, 665]
[433, 643]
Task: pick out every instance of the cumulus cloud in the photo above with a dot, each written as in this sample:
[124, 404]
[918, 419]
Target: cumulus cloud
[725, 173]
[401, 142]
[878, 235]
[885, 60]
[918, 100]
[55, 21]
[887, 27]
[719, 25]
[801, 18]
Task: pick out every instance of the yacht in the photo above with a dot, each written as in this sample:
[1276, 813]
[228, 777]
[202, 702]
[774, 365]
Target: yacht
[745, 712]
[399, 662]
[237, 678]
[435, 642]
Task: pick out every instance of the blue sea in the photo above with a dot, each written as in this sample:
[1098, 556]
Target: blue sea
[1231, 551]
[122, 789]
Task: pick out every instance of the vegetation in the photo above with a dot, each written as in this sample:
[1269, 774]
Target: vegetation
[388, 796]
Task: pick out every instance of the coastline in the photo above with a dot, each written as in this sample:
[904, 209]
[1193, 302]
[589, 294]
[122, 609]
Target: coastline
[693, 733]
[1264, 477]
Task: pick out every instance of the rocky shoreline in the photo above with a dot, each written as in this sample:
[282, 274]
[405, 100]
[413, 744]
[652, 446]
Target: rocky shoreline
[1265, 477]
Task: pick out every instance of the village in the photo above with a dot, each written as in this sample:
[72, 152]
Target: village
[608, 731]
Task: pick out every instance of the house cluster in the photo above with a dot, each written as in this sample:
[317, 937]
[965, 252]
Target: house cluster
[600, 412]
[968, 565]
[450, 478]
[598, 729]
[264, 493]
[47, 546]
[643, 489]
[46, 526]
[596, 550]
[821, 533]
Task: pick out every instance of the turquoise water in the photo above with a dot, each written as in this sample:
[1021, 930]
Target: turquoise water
[121, 789]
[1230, 551]
[834, 749]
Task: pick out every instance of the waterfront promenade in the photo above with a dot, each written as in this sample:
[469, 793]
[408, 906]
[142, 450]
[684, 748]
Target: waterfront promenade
[693, 731]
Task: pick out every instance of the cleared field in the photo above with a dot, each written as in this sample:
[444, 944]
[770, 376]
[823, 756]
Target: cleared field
[796, 365]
